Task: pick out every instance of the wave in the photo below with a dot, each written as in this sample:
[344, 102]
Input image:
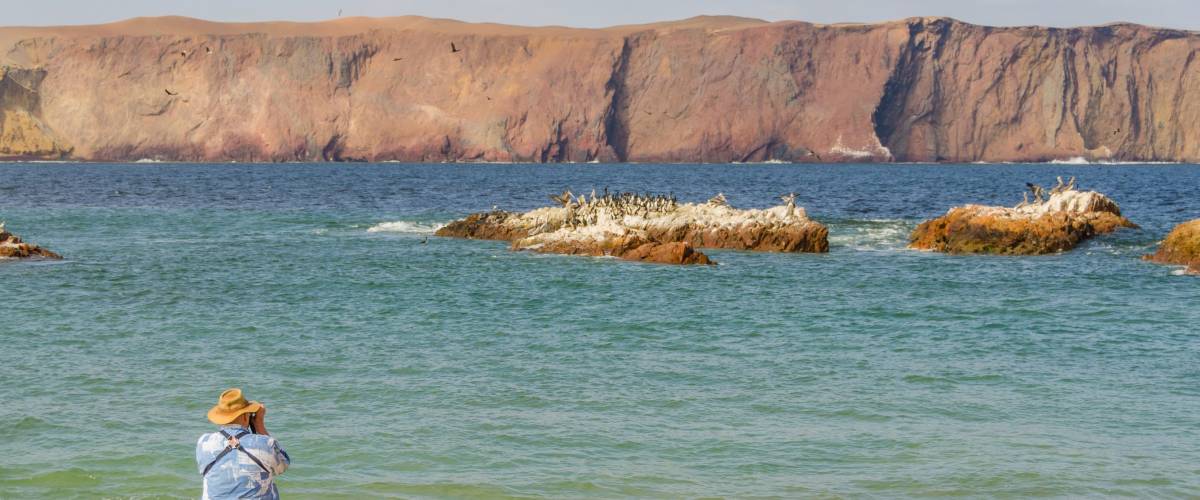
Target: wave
[403, 226]
[1079, 160]
[873, 234]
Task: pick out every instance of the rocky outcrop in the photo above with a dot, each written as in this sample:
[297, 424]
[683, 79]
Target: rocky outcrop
[1181, 247]
[1056, 224]
[11, 247]
[711, 89]
[657, 229]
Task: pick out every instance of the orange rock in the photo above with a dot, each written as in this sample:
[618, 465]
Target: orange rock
[1035, 230]
[11, 247]
[627, 248]
[810, 237]
[484, 226]
[1181, 247]
[668, 253]
[653, 228]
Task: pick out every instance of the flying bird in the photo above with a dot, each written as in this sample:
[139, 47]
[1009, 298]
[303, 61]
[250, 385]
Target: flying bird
[454, 48]
[397, 59]
[339, 12]
[168, 91]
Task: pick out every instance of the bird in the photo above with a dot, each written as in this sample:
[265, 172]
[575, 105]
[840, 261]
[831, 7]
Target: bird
[208, 50]
[564, 199]
[454, 48]
[168, 91]
[339, 12]
[424, 240]
[1038, 192]
[183, 53]
[489, 97]
[394, 59]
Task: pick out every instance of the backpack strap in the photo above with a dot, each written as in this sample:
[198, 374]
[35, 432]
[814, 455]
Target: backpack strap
[229, 448]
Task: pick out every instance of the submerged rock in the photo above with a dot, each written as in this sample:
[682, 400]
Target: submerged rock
[1056, 224]
[11, 247]
[1181, 247]
[647, 228]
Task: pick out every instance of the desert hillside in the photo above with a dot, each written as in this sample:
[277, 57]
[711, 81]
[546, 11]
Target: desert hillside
[712, 89]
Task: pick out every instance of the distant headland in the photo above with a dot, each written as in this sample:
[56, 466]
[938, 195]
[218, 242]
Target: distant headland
[706, 89]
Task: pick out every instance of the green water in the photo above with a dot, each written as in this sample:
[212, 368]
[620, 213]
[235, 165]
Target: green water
[459, 369]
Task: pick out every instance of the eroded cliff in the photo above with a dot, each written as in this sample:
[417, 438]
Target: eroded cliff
[703, 89]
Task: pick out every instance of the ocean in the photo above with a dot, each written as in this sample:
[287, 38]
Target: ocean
[460, 369]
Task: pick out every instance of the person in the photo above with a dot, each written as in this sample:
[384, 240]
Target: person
[241, 459]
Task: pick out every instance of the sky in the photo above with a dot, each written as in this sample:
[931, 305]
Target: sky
[598, 13]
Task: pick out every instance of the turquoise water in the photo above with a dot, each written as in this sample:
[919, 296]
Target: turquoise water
[459, 369]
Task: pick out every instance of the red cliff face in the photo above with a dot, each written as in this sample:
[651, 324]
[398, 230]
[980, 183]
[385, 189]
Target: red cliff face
[704, 89]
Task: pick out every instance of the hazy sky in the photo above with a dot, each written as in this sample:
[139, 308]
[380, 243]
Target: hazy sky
[595, 13]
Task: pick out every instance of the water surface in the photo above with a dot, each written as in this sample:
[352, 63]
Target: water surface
[461, 369]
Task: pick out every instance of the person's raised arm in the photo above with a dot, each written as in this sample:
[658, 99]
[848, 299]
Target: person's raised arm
[260, 421]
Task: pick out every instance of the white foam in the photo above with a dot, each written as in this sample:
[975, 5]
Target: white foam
[403, 226]
[1078, 160]
[871, 234]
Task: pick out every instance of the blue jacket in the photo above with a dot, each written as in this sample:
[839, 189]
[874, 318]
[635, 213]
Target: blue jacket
[236, 475]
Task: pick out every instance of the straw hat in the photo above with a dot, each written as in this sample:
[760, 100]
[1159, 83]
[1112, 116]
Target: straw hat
[230, 406]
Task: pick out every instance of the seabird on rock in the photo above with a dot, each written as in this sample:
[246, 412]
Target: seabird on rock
[564, 199]
[1038, 192]
[1024, 203]
[1058, 188]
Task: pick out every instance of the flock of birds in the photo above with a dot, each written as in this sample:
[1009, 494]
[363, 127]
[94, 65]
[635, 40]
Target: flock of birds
[1039, 193]
[583, 210]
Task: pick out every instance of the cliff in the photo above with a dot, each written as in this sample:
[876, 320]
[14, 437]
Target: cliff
[712, 89]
